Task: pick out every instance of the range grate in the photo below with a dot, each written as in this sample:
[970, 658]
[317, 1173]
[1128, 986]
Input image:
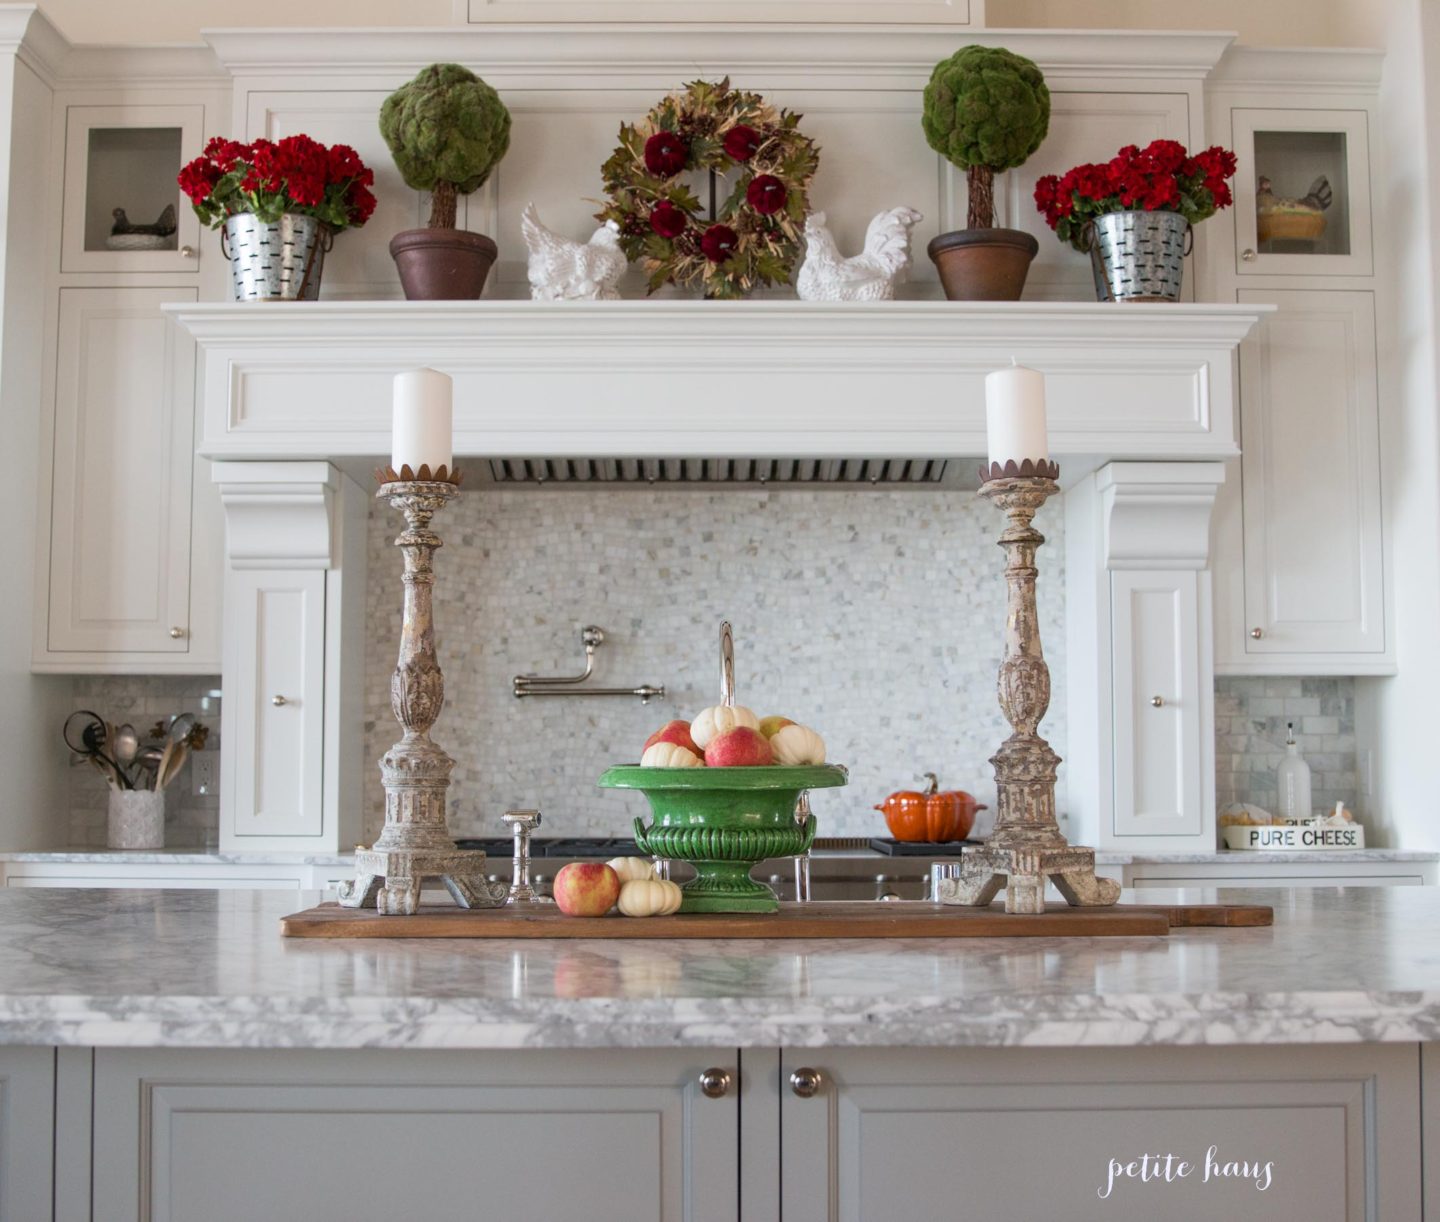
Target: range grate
[893, 472]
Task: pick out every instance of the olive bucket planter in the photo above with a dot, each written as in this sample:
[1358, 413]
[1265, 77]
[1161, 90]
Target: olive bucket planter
[983, 264]
[725, 821]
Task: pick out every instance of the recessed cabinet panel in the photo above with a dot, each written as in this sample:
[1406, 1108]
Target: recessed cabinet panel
[938, 12]
[275, 645]
[124, 160]
[1302, 192]
[121, 498]
[232, 1137]
[1326, 1132]
[1311, 469]
[1157, 703]
[1084, 127]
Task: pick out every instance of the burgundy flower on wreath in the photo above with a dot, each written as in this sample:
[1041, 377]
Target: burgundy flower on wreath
[741, 142]
[667, 220]
[666, 154]
[719, 243]
[766, 194]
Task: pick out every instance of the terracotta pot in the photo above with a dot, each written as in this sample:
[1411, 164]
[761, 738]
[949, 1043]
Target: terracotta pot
[983, 264]
[442, 264]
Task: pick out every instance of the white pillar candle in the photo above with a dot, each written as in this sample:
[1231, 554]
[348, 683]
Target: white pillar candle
[1015, 415]
[423, 426]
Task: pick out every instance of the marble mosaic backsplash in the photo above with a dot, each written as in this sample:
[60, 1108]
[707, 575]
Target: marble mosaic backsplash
[876, 617]
[191, 820]
[1250, 719]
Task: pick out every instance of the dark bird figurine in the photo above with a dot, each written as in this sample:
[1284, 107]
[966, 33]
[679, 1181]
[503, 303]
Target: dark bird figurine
[162, 228]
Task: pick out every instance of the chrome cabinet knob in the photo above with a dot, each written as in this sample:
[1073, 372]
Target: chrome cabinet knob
[1157, 702]
[806, 1082]
[1256, 633]
[1247, 256]
[176, 633]
[187, 252]
[715, 1083]
[279, 701]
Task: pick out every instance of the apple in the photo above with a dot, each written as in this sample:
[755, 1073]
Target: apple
[770, 726]
[586, 889]
[677, 732]
[741, 747]
[670, 755]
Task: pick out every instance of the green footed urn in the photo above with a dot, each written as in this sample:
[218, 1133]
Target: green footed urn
[723, 821]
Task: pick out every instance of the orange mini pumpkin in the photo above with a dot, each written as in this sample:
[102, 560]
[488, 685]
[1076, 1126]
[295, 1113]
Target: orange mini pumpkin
[931, 816]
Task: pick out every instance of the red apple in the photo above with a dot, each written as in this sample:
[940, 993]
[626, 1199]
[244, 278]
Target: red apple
[741, 747]
[586, 888]
[677, 732]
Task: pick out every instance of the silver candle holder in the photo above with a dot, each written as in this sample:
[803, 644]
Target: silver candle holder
[415, 843]
[1027, 846]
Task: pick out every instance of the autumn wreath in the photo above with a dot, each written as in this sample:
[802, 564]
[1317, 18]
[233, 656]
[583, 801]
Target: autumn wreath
[750, 150]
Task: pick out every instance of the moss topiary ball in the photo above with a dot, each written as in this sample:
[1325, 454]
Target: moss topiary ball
[445, 126]
[985, 106]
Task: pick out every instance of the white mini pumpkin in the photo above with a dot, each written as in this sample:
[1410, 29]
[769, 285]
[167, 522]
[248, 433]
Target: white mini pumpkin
[632, 869]
[670, 755]
[646, 897]
[713, 722]
[795, 745]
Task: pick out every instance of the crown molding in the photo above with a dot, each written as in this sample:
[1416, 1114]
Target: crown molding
[1324, 70]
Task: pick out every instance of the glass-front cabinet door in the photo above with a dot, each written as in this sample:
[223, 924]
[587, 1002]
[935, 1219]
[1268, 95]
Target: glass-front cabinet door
[123, 211]
[1302, 193]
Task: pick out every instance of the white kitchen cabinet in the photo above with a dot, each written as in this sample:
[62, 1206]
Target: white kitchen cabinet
[1159, 690]
[232, 1136]
[1301, 583]
[27, 1118]
[130, 531]
[275, 675]
[931, 1133]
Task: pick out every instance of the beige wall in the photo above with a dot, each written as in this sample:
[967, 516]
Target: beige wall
[1272, 22]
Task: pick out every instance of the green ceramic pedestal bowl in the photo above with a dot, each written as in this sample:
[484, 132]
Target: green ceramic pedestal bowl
[723, 821]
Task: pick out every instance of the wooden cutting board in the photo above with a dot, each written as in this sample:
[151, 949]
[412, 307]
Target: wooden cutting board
[864, 919]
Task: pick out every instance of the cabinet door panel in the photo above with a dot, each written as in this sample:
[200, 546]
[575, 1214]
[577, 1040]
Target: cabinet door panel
[1338, 1129]
[278, 703]
[1314, 578]
[27, 1119]
[229, 1137]
[1157, 746]
[120, 503]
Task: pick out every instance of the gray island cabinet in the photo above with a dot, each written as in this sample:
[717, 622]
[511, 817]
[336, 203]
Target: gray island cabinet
[169, 1057]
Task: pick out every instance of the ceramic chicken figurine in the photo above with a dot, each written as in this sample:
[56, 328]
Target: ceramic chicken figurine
[162, 228]
[1297, 219]
[868, 276]
[564, 270]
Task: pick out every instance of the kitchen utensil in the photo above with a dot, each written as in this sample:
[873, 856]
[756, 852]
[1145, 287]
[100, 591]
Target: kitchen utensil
[127, 745]
[87, 734]
[930, 816]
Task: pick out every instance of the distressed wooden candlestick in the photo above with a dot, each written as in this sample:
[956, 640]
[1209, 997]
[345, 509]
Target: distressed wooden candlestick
[1027, 845]
[415, 843]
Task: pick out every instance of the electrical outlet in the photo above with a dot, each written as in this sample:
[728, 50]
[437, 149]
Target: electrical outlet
[204, 772]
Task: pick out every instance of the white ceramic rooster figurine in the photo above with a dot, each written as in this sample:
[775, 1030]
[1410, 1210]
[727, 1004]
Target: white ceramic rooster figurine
[562, 270]
[869, 276]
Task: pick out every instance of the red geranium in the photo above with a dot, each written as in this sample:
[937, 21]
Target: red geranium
[297, 174]
[667, 220]
[741, 143]
[718, 243]
[666, 154]
[766, 194]
[1162, 177]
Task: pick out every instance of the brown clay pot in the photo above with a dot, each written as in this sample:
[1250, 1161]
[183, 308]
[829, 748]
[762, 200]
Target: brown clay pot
[983, 264]
[442, 264]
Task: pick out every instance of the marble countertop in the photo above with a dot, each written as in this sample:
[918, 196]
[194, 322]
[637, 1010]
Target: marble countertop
[1104, 857]
[209, 968]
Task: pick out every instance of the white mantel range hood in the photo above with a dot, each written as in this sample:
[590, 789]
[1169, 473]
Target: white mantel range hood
[766, 379]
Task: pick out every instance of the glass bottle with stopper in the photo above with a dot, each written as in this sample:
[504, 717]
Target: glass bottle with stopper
[1293, 779]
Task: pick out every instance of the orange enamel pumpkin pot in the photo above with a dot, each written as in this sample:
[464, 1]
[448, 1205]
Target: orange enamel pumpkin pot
[931, 816]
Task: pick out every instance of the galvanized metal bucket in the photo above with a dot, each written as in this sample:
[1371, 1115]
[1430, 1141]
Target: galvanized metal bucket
[276, 261]
[1139, 256]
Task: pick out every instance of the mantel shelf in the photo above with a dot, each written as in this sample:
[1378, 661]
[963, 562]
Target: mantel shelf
[760, 378]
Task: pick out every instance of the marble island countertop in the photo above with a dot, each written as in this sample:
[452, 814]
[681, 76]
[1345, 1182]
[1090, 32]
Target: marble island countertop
[209, 968]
